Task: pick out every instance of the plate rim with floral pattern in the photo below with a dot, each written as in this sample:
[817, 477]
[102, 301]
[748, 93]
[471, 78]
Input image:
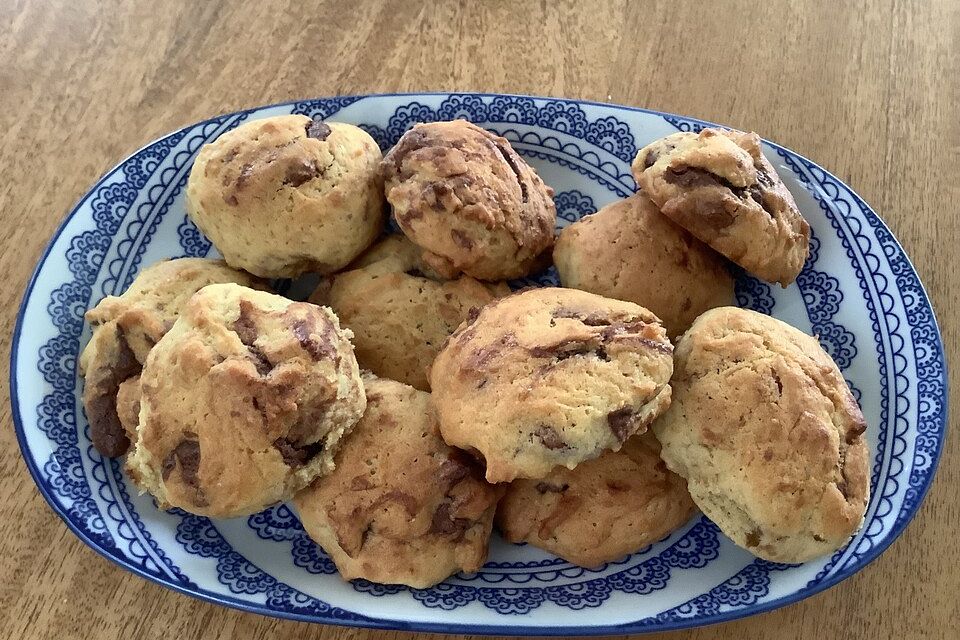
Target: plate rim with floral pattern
[569, 138]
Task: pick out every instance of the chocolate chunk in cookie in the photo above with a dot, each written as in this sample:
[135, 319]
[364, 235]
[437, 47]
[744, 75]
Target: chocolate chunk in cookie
[469, 201]
[286, 195]
[401, 507]
[768, 436]
[240, 406]
[125, 329]
[550, 377]
[719, 186]
[604, 509]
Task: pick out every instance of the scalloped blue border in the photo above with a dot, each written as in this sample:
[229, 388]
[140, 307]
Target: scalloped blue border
[917, 496]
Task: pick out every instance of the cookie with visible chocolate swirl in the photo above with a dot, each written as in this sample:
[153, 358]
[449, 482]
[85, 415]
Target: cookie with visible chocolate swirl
[285, 195]
[604, 509]
[401, 507]
[127, 326]
[469, 201]
[768, 436]
[243, 402]
[549, 377]
[719, 186]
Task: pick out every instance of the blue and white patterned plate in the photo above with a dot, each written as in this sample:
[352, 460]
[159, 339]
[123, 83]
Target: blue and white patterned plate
[858, 292]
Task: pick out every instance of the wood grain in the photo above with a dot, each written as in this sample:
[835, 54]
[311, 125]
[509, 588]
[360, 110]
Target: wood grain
[868, 89]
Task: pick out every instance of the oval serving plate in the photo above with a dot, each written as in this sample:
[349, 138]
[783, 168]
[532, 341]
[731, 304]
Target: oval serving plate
[858, 292]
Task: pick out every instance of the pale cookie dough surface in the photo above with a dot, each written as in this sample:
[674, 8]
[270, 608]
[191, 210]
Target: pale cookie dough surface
[768, 436]
[285, 195]
[126, 327]
[550, 377]
[604, 509]
[719, 186]
[243, 402]
[464, 196]
[401, 507]
[399, 317]
[630, 251]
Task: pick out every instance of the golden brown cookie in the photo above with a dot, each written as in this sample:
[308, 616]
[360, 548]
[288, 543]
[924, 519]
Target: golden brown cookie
[285, 195]
[243, 402]
[604, 509]
[399, 317]
[469, 201]
[401, 507]
[550, 377]
[628, 250]
[128, 406]
[768, 436]
[126, 327]
[718, 185]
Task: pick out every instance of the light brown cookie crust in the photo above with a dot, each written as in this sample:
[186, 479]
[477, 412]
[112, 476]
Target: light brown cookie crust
[768, 436]
[286, 195]
[719, 186]
[604, 509]
[630, 251]
[550, 377]
[126, 327]
[402, 507]
[128, 406]
[243, 402]
[399, 317]
[469, 201]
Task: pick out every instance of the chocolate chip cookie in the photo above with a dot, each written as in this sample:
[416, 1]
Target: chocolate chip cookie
[285, 195]
[630, 251]
[550, 377]
[464, 196]
[401, 507]
[768, 436]
[718, 185]
[604, 509]
[243, 402]
[400, 317]
[126, 327]
[128, 406]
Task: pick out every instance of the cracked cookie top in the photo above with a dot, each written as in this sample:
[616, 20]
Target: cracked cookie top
[401, 507]
[469, 201]
[719, 186]
[549, 377]
[767, 434]
[286, 195]
[127, 326]
[243, 402]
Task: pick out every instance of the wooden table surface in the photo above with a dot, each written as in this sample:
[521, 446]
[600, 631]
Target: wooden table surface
[869, 90]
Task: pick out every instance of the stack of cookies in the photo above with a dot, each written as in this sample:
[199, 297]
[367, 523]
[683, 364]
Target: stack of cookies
[414, 402]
